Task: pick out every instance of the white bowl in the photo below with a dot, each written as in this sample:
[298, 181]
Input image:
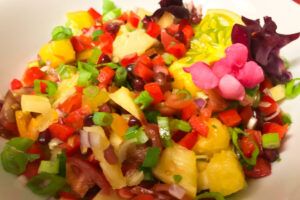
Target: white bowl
[26, 25]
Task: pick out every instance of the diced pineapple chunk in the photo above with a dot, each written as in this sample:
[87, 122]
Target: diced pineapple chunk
[166, 20]
[224, 173]
[79, 20]
[94, 102]
[177, 160]
[34, 103]
[45, 120]
[278, 92]
[217, 139]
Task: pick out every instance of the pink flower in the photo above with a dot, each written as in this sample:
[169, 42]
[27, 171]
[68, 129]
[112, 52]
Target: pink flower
[231, 74]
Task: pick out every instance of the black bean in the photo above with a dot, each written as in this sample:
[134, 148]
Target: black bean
[271, 154]
[112, 28]
[138, 84]
[88, 121]
[105, 59]
[44, 137]
[179, 36]
[134, 121]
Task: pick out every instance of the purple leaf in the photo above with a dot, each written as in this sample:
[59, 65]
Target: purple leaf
[174, 7]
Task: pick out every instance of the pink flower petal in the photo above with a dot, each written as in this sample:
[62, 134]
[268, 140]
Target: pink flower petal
[237, 55]
[202, 75]
[250, 75]
[222, 67]
[231, 88]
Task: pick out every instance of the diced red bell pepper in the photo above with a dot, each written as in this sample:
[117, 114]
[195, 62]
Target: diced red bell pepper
[143, 72]
[206, 113]
[188, 32]
[265, 84]
[189, 111]
[153, 29]
[106, 43]
[129, 59]
[246, 113]
[199, 125]
[67, 196]
[32, 74]
[32, 169]
[261, 169]
[75, 120]
[178, 50]
[15, 84]
[72, 145]
[81, 43]
[37, 149]
[189, 140]
[43, 87]
[167, 39]
[267, 105]
[270, 127]
[155, 92]
[256, 135]
[247, 146]
[72, 103]
[133, 19]
[173, 29]
[123, 17]
[145, 60]
[79, 89]
[105, 76]
[158, 61]
[61, 131]
[95, 15]
[125, 193]
[143, 197]
[230, 117]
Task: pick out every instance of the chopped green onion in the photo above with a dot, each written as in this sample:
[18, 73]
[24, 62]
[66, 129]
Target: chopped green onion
[181, 125]
[91, 91]
[209, 195]
[13, 157]
[46, 184]
[112, 15]
[168, 58]
[177, 178]
[62, 164]
[87, 73]
[96, 53]
[48, 166]
[270, 141]
[137, 134]
[96, 34]
[152, 157]
[108, 6]
[164, 131]
[110, 64]
[286, 118]
[144, 99]
[120, 77]
[50, 89]
[235, 132]
[292, 89]
[251, 92]
[152, 115]
[84, 78]
[66, 71]
[102, 118]
[61, 32]
[148, 175]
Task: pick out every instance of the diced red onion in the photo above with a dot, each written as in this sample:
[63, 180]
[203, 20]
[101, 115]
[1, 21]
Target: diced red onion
[84, 139]
[94, 139]
[177, 191]
[273, 115]
[252, 123]
[200, 102]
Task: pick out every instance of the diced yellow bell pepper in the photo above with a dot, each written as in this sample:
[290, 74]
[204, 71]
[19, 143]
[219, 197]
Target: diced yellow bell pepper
[33, 132]
[35, 103]
[22, 119]
[79, 20]
[119, 125]
[57, 52]
[94, 102]
[45, 120]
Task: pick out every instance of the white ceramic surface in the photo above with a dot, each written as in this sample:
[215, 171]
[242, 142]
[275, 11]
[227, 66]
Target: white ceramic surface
[26, 25]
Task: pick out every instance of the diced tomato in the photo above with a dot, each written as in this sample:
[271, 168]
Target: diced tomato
[178, 50]
[15, 84]
[155, 92]
[267, 105]
[173, 29]
[246, 113]
[106, 41]
[43, 87]
[247, 146]
[67, 196]
[188, 32]
[32, 169]
[176, 101]
[32, 74]
[261, 169]
[270, 127]
[256, 135]
[105, 76]
[72, 145]
[167, 39]
[189, 111]
[199, 125]
[145, 60]
[72, 103]
[133, 19]
[129, 59]
[143, 197]
[79, 89]
[153, 29]
[158, 61]
[265, 84]
[125, 193]
[75, 120]
[37, 149]
[123, 17]
[206, 113]
[143, 72]
[95, 15]
[230, 117]
[278, 119]
[61, 131]
[81, 43]
[189, 140]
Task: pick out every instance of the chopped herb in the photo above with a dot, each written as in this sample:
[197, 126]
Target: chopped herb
[61, 32]
[177, 178]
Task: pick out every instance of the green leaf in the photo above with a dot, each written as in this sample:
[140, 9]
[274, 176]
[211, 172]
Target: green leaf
[292, 88]
[112, 15]
[108, 5]
[61, 32]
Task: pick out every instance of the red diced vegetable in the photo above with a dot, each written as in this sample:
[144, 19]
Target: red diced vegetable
[199, 125]
[256, 135]
[145, 60]
[188, 32]
[72, 145]
[173, 29]
[105, 76]
[32, 74]
[36, 149]
[123, 17]
[32, 169]
[81, 43]
[95, 15]
[265, 84]
[267, 105]
[133, 19]
[15, 84]
[158, 61]
[74, 120]
[143, 72]
[246, 113]
[153, 29]
[167, 39]
[61, 131]
[230, 117]
[178, 50]
[67, 196]
[43, 87]
[271, 127]
[129, 59]
[71, 104]
[189, 140]
[125, 193]
[247, 146]
[261, 169]
[143, 197]
[106, 41]
[189, 111]
[155, 92]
